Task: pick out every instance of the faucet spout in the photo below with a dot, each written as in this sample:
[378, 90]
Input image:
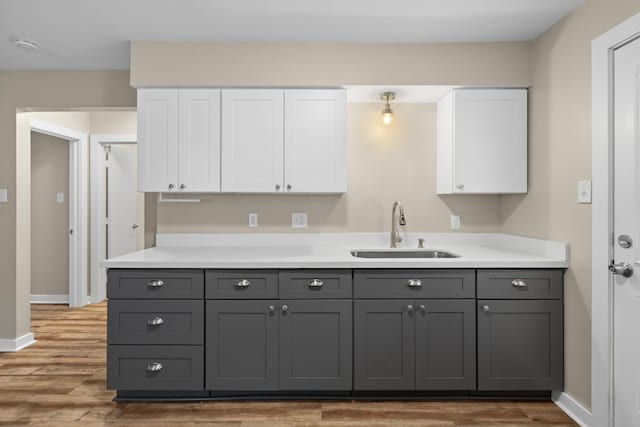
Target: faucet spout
[395, 234]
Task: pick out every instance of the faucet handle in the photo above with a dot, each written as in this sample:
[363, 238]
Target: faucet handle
[420, 243]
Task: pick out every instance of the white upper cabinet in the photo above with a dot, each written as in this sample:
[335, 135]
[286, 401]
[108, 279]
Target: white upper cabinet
[179, 140]
[482, 141]
[252, 140]
[315, 141]
[157, 140]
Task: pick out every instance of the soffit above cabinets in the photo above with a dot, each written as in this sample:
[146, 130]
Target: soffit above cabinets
[404, 93]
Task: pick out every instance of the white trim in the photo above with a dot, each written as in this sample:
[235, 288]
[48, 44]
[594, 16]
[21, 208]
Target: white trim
[17, 344]
[601, 334]
[78, 206]
[98, 245]
[49, 299]
[572, 408]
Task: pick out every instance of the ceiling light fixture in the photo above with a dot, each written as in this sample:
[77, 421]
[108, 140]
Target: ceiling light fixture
[387, 112]
[26, 44]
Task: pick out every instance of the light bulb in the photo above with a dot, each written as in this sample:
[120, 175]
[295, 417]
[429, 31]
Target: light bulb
[387, 118]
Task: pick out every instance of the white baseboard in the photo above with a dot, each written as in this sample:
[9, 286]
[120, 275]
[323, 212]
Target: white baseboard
[49, 299]
[17, 344]
[572, 408]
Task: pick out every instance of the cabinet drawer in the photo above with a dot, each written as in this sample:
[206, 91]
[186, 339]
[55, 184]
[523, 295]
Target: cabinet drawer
[155, 284]
[414, 284]
[322, 284]
[237, 284]
[155, 367]
[520, 284]
[155, 322]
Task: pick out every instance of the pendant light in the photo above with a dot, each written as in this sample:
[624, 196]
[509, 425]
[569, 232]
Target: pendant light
[387, 112]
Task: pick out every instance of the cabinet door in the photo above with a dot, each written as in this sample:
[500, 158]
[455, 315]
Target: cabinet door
[384, 342]
[242, 345]
[199, 140]
[490, 141]
[520, 345]
[158, 140]
[252, 140]
[445, 345]
[315, 344]
[315, 141]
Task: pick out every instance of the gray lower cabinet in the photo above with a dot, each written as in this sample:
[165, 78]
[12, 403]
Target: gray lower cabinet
[242, 345]
[315, 344]
[520, 345]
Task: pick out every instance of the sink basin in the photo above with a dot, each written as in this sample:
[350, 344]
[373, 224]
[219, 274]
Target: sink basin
[403, 254]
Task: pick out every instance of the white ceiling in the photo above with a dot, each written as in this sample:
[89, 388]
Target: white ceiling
[95, 34]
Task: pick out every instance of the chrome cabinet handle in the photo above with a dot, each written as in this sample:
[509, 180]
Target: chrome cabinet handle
[285, 308]
[519, 283]
[486, 308]
[156, 321]
[420, 243]
[272, 309]
[288, 187]
[410, 309]
[277, 187]
[154, 367]
[155, 284]
[315, 283]
[414, 283]
[460, 187]
[171, 186]
[134, 226]
[182, 186]
[244, 283]
[423, 308]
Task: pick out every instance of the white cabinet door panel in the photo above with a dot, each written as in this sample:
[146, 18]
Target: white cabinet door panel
[157, 140]
[199, 157]
[252, 140]
[315, 146]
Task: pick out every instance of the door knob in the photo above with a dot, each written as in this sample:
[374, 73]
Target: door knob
[134, 226]
[623, 269]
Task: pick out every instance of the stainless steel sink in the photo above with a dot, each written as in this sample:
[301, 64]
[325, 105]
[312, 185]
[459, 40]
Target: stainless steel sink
[402, 254]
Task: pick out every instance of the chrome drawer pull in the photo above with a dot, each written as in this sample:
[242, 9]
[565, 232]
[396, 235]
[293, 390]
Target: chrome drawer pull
[414, 283]
[316, 283]
[156, 321]
[244, 283]
[410, 309]
[154, 367]
[423, 308]
[155, 284]
[486, 308]
[519, 283]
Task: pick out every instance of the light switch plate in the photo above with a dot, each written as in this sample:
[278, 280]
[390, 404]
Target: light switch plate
[584, 192]
[3, 195]
[253, 220]
[60, 197]
[455, 222]
[299, 220]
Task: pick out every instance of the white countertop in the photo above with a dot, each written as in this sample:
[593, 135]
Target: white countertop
[476, 250]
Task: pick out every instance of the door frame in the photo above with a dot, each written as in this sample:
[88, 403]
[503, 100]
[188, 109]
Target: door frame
[98, 221]
[78, 206]
[602, 49]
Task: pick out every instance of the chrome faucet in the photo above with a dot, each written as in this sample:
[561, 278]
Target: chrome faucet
[395, 235]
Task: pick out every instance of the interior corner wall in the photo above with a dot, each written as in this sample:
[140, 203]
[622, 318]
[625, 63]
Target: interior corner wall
[560, 156]
[44, 90]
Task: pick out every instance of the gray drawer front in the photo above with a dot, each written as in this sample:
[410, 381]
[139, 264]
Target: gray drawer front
[433, 284]
[155, 322]
[241, 284]
[145, 284]
[538, 284]
[128, 367]
[321, 284]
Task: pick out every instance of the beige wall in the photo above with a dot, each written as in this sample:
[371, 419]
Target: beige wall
[385, 164]
[559, 156]
[49, 219]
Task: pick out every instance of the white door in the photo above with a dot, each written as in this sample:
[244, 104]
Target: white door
[199, 140]
[252, 140]
[124, 229]
[158, 140]
[315, 141]
[627, 222]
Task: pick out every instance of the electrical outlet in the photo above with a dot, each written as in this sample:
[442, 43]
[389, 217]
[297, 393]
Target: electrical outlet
[60, 197]
[299, 220]
[3, 195]
[253, 220]
[455, 222]
[584, 192]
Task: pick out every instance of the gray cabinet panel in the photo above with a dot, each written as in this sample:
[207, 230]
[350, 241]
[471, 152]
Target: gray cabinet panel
[520, 345]
[321, 284]
[242, 345]
[433, 283]
[155, 284]
[445, 345]
[315, 345]
[155, 322]
[154, 367]
[520, 284]
[384, 345]
[241, 284]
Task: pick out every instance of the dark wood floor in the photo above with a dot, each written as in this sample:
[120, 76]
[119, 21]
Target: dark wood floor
[60, 381]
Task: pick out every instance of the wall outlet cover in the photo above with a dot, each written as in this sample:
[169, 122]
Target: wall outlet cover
[60, 197]
[455, 222]
[3, 195]
[253, 220]
[299, 220]
[584, 192]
